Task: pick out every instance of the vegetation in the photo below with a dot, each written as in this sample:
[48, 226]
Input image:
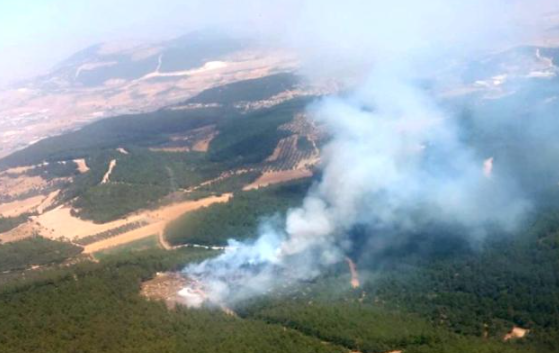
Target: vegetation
[54, 170]
[247, 90]
[9, 223]
[371, 329]
[511, 281]
[35, 251]
[231, 183]
[238, 218]
[107, 202]
[140, 180]
[304, 145]
[148, 243]
[237, 138]
[110, 233]
[98, 309]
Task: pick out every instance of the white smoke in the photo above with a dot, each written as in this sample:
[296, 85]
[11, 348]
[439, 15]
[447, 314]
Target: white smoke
[394, 152]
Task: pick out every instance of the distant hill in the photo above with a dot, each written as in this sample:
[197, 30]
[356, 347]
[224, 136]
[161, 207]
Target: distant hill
[100, 63]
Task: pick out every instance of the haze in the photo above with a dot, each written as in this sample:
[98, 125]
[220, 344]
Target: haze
[35, 35]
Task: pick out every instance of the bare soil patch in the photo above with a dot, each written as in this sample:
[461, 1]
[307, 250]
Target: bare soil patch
[82, 165]
[516, 333]
[165, 287]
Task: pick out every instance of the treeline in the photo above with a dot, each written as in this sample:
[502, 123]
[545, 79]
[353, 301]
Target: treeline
[110, 233]
[238, 218]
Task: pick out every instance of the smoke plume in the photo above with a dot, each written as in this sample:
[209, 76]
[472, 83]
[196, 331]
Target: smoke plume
[397, 158]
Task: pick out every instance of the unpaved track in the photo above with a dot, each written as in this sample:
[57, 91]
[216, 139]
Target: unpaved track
[107, 176]
[163, 242]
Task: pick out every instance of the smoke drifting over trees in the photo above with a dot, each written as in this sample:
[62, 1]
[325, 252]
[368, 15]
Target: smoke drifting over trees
[398, 158]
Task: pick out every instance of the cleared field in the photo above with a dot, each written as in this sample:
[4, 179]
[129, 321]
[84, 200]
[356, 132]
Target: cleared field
[16, 208]
[82, 165]
[278, 177]
[20, 185]
[61, 223]
[21, 232]
[124, 238]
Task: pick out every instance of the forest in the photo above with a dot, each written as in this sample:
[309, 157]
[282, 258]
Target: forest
[35, 251]
[238, 218]
[247, 90]
[97, 308]
[94, 307]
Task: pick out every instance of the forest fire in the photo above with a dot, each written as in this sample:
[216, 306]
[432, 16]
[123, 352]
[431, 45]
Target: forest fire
[192, 295]
[174, 289]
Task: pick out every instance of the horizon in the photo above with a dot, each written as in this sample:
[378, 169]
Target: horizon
[35, 36]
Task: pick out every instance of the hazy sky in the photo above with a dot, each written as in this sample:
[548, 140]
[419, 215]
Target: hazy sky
[37, 34]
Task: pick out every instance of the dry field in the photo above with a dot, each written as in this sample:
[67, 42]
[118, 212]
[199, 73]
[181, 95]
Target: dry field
[271, 178]
[20, 184]
[22, 232]
[60, 223]
[16, 208]
[82, 165]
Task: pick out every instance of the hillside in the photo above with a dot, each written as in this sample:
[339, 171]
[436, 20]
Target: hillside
[99, 221]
